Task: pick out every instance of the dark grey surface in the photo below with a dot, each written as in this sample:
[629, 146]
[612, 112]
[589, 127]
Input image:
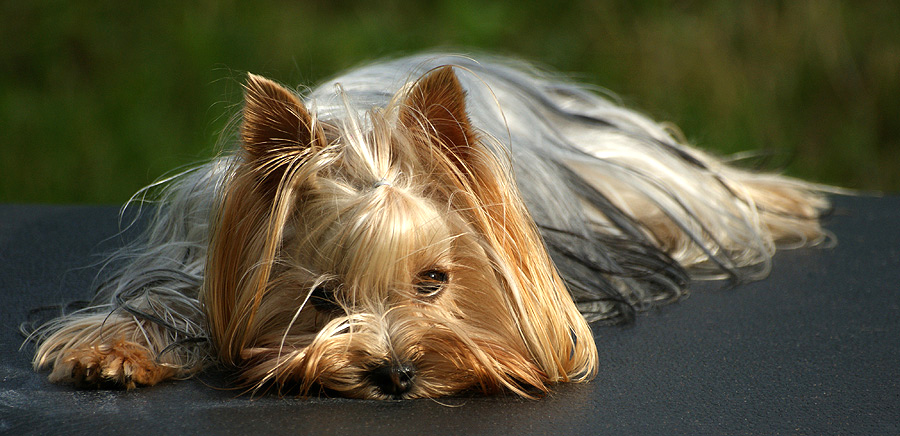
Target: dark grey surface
[814, 349]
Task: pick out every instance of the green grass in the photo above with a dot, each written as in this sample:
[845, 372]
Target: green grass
[99, 100]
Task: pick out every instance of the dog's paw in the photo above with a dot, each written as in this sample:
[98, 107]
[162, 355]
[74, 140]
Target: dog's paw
[122, 364]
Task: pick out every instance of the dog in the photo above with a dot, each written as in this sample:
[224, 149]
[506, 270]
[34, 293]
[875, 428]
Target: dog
[421, 227]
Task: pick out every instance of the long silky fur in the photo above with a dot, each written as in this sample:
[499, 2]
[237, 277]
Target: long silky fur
[151, 299]
[562, 180]
[624, 206]
[511, 333]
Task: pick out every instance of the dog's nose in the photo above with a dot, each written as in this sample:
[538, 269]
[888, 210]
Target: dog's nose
[393, 378]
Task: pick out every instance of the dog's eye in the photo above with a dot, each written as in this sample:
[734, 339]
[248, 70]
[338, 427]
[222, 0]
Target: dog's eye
[322, 298]
[430, 283]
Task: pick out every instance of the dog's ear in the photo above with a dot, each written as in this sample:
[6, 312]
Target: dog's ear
[275, 121]
[277, 133]
[436, 106]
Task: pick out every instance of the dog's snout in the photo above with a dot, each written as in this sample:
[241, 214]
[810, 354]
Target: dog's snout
[393, 378]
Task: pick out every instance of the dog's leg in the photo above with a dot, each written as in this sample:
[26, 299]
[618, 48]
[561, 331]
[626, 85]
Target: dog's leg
[103, 349]
[145, 323]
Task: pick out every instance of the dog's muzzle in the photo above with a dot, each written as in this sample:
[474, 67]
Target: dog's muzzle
[392, 378]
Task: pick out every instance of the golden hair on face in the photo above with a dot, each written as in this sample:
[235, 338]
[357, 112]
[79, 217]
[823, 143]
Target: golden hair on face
[419, 204]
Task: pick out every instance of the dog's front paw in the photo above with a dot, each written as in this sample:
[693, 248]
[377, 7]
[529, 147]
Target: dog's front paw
[124, 364]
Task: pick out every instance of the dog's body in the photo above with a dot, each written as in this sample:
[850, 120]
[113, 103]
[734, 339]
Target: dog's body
[415, 230]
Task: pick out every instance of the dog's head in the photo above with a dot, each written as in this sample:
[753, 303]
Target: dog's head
[387, 256]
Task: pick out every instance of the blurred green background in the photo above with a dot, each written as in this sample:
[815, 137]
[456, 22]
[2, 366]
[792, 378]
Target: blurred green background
[98, 99]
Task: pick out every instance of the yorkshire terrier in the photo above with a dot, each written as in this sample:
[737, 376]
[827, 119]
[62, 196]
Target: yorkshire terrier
[422, 227]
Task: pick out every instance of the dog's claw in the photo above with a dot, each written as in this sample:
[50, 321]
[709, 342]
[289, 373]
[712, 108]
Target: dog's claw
[122, 364]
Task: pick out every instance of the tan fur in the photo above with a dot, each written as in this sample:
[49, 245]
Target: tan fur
[493, 327]
[108, 349]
